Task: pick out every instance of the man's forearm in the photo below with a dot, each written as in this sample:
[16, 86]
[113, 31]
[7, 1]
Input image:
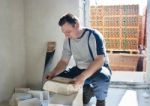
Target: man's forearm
[61, 66]
[93, 67]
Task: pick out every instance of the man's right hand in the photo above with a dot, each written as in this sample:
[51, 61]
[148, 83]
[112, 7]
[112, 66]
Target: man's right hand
[50, 75]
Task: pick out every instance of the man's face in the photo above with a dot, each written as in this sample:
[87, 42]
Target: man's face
[69, 30]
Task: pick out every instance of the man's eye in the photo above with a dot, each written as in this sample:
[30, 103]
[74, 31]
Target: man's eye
[68, 32]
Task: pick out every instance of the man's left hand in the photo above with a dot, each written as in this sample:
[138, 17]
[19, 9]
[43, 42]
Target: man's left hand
[78, 81]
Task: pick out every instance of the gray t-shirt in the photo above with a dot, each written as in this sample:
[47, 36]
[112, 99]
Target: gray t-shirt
[80, 50]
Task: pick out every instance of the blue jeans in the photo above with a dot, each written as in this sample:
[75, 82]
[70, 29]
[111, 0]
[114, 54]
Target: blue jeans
[99, 82]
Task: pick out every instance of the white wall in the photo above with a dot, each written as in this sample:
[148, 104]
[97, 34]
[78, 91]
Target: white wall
[41, 26]
[12, 47]
[25, 28]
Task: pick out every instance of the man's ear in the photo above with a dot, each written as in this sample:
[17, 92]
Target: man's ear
[77, 25]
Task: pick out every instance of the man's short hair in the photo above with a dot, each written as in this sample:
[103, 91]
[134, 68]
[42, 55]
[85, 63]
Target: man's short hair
[69, 18]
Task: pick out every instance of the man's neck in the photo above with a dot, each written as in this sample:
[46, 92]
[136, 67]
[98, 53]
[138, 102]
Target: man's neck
[80, 32]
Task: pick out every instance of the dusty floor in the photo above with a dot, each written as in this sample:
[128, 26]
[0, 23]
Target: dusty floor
[122, 82]
[115, 96]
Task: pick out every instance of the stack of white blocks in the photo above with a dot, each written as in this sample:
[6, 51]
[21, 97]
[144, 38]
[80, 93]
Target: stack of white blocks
[27, 97]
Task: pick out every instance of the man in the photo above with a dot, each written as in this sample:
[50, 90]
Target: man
[88, 49]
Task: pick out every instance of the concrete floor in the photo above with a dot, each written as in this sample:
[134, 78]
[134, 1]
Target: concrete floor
[115, 96]
[120, 83]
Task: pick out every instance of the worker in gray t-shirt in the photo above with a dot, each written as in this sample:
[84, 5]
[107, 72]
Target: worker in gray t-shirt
[92, 66]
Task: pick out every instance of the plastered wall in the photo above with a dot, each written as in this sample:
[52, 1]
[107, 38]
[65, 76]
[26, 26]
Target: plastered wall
[41, 26]
[25, 28]
[12, 47]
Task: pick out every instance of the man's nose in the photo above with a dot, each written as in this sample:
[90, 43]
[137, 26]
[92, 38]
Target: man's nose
[67, 35]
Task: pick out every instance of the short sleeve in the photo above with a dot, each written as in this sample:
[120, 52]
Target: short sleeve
[66, 52]
[100, 43]
[97, 43]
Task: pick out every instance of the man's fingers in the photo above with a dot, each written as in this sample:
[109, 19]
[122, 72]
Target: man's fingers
[72, 81]
[47, 77]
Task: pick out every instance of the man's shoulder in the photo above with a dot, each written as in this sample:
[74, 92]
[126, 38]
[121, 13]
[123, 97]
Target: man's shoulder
[94, 31]
[89, 29]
